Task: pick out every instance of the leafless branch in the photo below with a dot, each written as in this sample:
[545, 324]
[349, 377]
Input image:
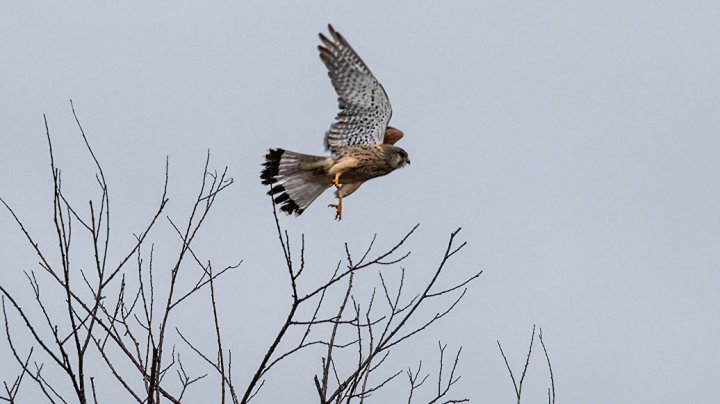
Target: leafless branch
[94, 319]
[517, 385]
[118, 314]
[551, 389]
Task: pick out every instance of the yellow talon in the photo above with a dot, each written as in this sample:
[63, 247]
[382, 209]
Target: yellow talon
[336, 181]
[338, 209]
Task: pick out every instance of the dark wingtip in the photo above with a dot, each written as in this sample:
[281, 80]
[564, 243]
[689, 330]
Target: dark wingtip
[334, 34]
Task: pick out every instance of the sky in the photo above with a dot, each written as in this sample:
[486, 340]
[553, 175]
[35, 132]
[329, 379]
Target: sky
[575, 143]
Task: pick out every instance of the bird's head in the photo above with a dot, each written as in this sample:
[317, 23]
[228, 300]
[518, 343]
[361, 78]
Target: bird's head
[397, 157]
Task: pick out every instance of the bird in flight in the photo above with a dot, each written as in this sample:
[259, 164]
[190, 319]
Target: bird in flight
[361, 143]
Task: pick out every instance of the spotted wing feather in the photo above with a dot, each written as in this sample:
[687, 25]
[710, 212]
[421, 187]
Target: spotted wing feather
[364, 106]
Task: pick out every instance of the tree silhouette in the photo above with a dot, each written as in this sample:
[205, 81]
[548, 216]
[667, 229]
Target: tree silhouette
[121, 315]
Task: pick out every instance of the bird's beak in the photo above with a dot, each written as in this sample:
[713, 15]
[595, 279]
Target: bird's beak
[408, 160]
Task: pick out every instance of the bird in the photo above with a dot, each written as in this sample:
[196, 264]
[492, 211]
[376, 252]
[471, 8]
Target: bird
[361, 144]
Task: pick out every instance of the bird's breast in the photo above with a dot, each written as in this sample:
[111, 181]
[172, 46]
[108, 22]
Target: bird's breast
[369, 162]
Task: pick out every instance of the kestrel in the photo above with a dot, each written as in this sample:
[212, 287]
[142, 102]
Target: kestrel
[360, 141]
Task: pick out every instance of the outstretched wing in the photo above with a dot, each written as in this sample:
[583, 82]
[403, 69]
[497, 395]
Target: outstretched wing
[392, 135]
[364, 107]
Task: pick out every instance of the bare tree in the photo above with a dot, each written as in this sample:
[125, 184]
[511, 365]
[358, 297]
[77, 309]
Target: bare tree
[125, 328]
[124, 314]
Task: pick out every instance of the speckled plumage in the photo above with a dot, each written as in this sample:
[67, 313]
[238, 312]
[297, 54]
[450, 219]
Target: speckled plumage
[361, 142]
[365, 110]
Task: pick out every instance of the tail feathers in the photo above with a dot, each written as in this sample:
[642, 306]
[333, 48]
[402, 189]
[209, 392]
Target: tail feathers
[290, 176]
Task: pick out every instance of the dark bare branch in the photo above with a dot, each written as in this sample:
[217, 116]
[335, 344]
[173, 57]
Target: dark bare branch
[551, 389]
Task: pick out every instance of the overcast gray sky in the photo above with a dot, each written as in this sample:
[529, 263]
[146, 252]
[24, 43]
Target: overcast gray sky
[576, 143]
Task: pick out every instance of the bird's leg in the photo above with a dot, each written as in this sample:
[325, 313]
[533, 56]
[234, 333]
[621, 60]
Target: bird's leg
[338, 207]
[336, 181]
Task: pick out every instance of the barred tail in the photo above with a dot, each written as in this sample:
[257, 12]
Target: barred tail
[291, 177]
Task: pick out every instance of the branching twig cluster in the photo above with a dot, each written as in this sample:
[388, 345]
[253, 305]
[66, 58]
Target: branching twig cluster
[354, 325]
[103, 318]
[518, 384]
[122, 314]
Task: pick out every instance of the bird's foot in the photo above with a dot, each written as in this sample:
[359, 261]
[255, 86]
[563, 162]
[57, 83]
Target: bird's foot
[338, 209]
[336, 180]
